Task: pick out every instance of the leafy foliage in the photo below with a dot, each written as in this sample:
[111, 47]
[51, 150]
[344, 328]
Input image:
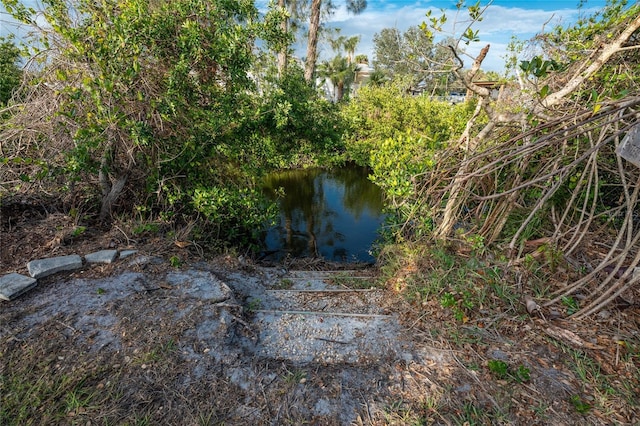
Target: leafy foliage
[291, 125]
[399, 137]
[10, 72]
[386, 112]
[158, 101]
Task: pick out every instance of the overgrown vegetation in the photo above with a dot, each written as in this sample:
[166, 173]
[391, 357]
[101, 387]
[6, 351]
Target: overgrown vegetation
[168, 115]
[10, 72]
[141, 107]
[399, 137]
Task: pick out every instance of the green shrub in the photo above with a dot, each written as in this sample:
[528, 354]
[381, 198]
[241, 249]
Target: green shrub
[399, 137]
[386, 112]
[10, 72]
[157, 101]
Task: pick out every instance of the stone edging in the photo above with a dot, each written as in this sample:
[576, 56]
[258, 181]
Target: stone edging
[13, 285]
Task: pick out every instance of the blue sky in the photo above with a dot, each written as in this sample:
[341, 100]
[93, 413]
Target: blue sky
[502, 20]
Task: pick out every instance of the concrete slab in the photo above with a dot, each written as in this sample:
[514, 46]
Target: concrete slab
[13, 285]
[44, 267]
[126, 253]
[201, 285]
[102, 256]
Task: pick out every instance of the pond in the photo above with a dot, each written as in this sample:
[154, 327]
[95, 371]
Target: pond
[334, 214]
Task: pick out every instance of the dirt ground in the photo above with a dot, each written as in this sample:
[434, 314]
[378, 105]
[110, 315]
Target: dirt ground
[140, 342]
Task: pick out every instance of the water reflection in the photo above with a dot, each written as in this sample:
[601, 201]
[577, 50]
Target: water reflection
[334, 214]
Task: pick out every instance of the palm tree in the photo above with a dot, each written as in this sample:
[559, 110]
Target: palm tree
[353, 6]
[340, 73]
[350, 45]
[337, 44]
[377, 78]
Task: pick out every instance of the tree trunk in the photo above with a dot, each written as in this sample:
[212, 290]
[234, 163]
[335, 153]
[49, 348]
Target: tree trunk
[340, 91]
[282, 55]
[312, 45]
[111, 188]
[112, 196]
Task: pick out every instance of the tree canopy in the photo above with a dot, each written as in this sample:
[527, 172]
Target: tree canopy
[159, 102]
[413, 54]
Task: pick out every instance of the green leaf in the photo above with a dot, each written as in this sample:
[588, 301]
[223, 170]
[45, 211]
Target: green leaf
[544, 91]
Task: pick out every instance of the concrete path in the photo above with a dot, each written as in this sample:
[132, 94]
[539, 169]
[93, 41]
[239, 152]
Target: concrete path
[323, 317]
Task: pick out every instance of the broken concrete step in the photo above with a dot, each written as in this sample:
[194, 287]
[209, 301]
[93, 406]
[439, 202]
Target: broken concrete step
[356, 301]
[348, 273]
[302, 337]
[13, 285]
[44, 267]
[126, 253]
[319, 283]
[102, 256]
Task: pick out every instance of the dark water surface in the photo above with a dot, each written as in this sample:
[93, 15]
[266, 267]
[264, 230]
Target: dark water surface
[333, 214]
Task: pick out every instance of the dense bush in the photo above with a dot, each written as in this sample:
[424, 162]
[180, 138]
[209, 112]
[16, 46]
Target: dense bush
[161, 108]
[399, 137]
[379, 113]
[10, 72]
[291, 124]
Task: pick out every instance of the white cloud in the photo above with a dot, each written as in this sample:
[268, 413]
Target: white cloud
[497, 28]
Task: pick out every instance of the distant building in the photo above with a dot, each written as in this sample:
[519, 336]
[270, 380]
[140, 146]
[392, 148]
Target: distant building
[495, 88]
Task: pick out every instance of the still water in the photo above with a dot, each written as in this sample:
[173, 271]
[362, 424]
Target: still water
[333, 214]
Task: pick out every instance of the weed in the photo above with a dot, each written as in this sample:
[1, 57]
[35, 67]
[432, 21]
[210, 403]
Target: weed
[169, 346]
[522, 374]
[476, 242]
[175, 261]
[142, 421]
[580, 406]
[461, 337]
[502, 371]
[446, 260]
[459, 306]
[349, 281]
[206, 419]
[552, 255]
[448, 300]
[571, 304]
[284, 284]
[101, 290]
[253, 305]
[78, 230]
[146, 227]
[159, 352]
[541, 289]
[295, 377]
[498, 368]
[78, 399]
[472, 415]
[399, 412]
[540, 410]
